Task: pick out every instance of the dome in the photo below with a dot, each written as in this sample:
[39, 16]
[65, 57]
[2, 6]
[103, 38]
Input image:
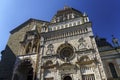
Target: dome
[102, 44]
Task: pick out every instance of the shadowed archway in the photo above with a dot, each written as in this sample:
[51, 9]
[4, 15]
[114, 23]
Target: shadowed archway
[67, 78]
[24, 70]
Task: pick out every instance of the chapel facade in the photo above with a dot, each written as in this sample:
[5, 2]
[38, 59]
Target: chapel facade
[63, 49]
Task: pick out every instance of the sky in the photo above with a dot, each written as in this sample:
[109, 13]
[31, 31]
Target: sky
[104, 15]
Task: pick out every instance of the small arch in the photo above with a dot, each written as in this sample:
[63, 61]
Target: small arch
[113, 71]
[81, 30]
[86, 30]
[76, 32]
[78, 23]
[66, 25]
[72, 33]
[28, 48]
[35, 46]
[62, 27]
[70, 25]
[74, 24]
[59, 27]
[50, 29]
[54, 28]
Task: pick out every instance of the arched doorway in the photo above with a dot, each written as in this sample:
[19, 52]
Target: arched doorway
[24, 70]
[67, 78]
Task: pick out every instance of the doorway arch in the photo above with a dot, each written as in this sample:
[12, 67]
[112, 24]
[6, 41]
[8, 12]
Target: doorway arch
[24, 70]
[67, 78]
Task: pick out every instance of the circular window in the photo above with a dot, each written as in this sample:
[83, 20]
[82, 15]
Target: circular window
[66, 53]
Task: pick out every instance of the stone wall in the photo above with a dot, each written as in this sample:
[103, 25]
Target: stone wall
[13, 46]
[19, 34]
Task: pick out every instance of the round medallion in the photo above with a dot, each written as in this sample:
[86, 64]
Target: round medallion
[66, 53]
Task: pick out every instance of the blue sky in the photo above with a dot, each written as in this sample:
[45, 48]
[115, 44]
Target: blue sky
[104, 14]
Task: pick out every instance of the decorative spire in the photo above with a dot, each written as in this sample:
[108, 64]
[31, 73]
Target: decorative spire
[84, 14]
[115, 41]
[66, 7]
[86, 19]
